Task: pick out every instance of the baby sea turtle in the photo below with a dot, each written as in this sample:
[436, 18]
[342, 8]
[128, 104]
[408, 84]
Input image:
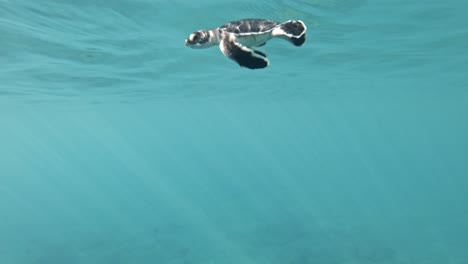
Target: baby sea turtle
[236, 39]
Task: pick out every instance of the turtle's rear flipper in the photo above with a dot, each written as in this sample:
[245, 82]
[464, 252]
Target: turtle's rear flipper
[245, 57]
[292, 30]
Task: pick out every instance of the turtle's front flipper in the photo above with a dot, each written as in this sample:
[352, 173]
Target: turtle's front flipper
[245, 57]
[259, 52]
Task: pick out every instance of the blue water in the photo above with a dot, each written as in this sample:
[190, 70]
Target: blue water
[118, 144]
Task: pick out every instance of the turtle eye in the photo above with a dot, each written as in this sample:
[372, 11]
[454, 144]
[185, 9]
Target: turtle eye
[196, 36]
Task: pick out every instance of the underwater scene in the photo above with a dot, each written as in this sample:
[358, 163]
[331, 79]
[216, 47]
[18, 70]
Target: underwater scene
[326, 132]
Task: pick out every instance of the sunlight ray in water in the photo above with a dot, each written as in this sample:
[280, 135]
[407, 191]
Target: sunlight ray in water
[120, 144]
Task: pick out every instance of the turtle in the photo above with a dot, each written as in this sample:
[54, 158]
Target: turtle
[236, 39]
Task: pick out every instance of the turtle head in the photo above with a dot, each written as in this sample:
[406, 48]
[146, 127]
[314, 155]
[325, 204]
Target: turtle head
[199, 39]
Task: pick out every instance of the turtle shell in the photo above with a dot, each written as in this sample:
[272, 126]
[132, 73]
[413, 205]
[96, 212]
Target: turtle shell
[249, 26]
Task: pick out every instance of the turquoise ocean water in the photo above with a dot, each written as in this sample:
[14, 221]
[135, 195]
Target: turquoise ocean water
[118, 144]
